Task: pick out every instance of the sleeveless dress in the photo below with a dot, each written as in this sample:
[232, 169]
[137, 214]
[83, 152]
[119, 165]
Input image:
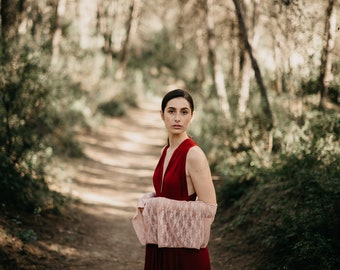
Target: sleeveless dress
[175, 187]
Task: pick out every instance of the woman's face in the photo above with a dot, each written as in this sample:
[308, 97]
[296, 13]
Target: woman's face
[177, 115]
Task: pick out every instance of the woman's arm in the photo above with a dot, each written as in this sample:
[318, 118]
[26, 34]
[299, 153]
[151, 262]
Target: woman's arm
[199, 175]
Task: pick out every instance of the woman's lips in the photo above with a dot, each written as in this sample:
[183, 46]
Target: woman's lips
[176, 126]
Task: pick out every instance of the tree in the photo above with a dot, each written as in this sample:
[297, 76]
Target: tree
[246, 71]
[131, 28]
[328, 45]
[106, 16]
[9, 31]
[9, 20]
[216, 69]
[265, 103]
[60, 8]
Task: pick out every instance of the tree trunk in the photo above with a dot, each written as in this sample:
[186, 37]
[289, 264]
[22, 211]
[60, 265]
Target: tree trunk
[9, 20]
[278, 66]
[216, 69]
[104, 28]
[131, 29]
[9, 33]
[202, 59]
[247, 72]
[60, 7]
[235, 53]
[328, 45]
[246, 75]
[265, 103]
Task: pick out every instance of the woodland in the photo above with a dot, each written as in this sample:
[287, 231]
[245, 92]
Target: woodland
[265, 76]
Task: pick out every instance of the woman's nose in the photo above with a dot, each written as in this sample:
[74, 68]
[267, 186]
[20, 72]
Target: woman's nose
[177, 117]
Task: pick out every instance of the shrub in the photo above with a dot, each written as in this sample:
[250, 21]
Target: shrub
[300, 226]
[37, 121]
[289, 211]
[112, 108]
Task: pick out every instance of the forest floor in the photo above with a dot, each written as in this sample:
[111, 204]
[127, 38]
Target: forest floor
[94, 231]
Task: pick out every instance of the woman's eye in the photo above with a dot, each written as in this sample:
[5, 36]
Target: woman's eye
[185, 112]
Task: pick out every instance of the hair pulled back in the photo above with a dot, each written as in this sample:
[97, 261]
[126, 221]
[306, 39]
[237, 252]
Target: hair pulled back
[175, 94]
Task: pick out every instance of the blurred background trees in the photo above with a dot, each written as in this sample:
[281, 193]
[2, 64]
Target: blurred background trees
[265, 77]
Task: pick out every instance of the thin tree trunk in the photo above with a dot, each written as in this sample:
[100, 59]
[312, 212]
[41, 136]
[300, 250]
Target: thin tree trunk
[202, 59]
[9, 20]
[247, 72]
[131, 28]
[265, 103]
[216, 69]
[245, 86]
[104, 28]
[57, 34]
[235, 53]
[185, 7]
[278, 69]
[9, 59]
[179, 40]
[328, 45]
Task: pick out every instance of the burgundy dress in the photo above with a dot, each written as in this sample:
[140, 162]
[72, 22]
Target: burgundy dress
[175, 187]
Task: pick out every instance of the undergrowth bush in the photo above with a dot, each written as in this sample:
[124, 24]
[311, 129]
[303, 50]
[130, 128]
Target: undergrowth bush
[311, 87]
[112, 108]
[301, 221]
[37, 121]
[289, 210]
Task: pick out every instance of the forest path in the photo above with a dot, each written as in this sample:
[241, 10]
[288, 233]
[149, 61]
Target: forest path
[120, 158]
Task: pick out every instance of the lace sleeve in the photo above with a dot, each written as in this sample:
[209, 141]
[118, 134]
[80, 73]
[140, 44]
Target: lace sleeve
[172, 223]
[138, 220]
[144, 198]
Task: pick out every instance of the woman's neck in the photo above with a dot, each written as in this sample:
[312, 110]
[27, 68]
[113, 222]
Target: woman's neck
[176, 140]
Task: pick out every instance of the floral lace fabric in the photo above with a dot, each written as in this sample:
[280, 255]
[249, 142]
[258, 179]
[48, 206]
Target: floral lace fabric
[172, 223]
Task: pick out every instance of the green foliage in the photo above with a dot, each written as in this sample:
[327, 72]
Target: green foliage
[311, 87]
[297, 226]
[162, 54]
[28, 236]
[302, 231]
[37, 121]
[233, 190]
[112, 108]
[289, 210]
[334, 93]
[162, 63]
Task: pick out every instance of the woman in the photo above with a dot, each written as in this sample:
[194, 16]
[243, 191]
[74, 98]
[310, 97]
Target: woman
[176, 221]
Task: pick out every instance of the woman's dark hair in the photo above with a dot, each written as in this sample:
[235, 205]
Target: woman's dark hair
[175, 94]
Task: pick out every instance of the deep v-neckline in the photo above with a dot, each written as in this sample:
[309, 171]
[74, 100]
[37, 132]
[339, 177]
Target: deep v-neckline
[166, 166]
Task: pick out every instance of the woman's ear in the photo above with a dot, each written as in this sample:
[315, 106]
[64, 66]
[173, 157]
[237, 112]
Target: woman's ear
[192, 116]
[162, 114]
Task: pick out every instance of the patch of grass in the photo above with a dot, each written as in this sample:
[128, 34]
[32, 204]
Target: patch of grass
[28, 236]
[288, 212]
[112, 108]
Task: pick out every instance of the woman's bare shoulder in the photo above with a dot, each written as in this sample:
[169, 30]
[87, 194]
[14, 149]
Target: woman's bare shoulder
[196, 154]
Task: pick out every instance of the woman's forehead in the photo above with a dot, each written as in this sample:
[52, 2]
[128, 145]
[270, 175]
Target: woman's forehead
[178, 102]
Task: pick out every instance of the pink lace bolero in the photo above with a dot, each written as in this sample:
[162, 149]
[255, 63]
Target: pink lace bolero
[172, 223]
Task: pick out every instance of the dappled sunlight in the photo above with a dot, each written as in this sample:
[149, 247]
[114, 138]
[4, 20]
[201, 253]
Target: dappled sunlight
[121, 159]
[121, 156]
[61, 249]
[122, 204]
[95, 230]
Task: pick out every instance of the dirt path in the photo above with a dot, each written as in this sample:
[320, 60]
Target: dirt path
[95, 232]
[121, 155]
